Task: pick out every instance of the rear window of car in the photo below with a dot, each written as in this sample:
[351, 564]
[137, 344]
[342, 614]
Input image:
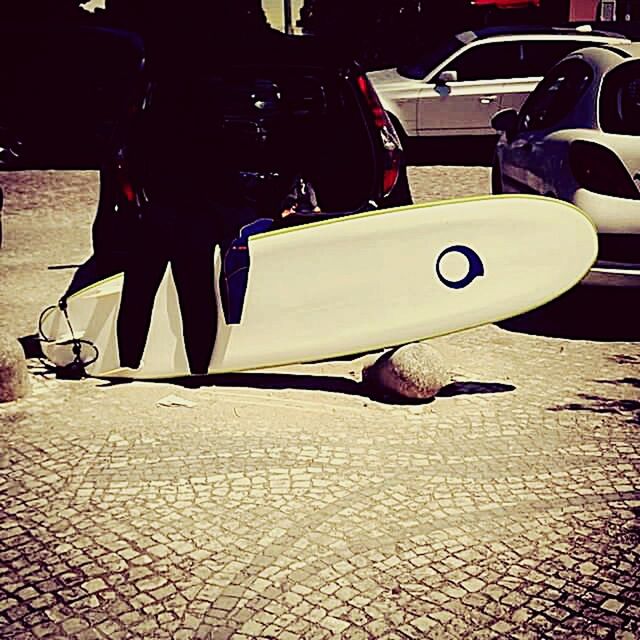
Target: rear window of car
[540, 55]
[620, 99]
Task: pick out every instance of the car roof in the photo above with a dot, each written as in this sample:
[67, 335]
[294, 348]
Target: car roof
[626, 50]
[521, 30]
[608, 55]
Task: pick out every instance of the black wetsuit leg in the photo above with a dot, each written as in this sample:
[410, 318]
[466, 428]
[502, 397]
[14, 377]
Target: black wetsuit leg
[142, 278]
[193, 274]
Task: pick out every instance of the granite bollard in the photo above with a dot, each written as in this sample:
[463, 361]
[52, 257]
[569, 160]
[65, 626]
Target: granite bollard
[415, 371]
[14, 377]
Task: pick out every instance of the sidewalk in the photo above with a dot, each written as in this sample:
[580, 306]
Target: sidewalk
[287, 504]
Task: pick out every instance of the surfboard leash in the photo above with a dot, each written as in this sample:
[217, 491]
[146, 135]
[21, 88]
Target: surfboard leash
[76, 369]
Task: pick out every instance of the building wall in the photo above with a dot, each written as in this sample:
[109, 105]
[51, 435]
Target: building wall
[275, 12]
[273, 9]
[583, 10]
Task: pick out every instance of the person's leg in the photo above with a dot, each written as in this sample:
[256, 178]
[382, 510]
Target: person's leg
[142, 277]
[194, 277]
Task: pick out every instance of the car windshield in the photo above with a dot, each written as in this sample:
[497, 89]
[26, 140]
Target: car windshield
[436, 55]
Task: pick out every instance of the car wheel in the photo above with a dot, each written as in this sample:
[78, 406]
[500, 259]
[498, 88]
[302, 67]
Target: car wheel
[496, 178]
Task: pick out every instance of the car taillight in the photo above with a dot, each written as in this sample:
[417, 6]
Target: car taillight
[123, 178]
[388, 135]
[600, 170]
[123, 172]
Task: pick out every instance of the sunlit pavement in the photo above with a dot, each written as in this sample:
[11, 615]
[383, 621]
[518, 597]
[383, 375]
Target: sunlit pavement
[290, 505]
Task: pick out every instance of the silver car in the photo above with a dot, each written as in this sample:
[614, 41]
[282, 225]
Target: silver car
[577, 138]
[455, 89]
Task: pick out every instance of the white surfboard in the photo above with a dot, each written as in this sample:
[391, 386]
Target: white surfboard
[355, 284]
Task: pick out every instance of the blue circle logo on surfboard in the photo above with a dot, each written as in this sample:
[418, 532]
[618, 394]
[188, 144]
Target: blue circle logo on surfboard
[448, 261]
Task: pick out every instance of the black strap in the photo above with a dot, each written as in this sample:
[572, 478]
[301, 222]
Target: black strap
[76, 369]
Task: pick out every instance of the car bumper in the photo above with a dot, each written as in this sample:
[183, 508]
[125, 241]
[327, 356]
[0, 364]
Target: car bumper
[614, 218]
[609, 214]
[613, 274]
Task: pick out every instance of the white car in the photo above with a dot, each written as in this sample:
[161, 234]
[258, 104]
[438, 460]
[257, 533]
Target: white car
[454, 90]
[577, 138]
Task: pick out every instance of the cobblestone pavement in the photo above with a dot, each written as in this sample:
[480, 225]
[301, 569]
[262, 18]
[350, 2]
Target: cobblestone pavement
[287, 504]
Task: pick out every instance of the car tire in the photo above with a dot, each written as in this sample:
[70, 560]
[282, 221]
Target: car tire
[496, 178]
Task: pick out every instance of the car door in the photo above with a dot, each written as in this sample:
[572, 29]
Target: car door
[530, 159]
[466, 104]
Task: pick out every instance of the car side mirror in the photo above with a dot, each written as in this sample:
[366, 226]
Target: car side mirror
[506, 120]
[447, 76]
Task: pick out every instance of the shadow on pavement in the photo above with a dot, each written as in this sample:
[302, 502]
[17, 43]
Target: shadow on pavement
[628, 409]
[605, 314]
[472, 388]
[332, 384]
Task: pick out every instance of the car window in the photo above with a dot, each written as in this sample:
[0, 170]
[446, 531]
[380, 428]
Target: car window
[541, 55]
[620, 99]
[491, 61]
[556, 95]
[438, 52]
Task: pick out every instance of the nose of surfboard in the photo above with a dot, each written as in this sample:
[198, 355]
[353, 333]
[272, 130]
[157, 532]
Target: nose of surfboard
[538, 241]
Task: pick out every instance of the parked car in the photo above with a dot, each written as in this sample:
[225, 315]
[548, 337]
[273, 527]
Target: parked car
[455, 89]
[73, 95]
[577, 138]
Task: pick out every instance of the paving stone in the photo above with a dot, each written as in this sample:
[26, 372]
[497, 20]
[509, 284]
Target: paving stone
[612, 605]
[74, 626]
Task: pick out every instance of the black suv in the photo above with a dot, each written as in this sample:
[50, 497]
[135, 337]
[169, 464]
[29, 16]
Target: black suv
[78, 93]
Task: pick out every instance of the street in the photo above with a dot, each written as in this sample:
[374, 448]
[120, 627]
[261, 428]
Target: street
[288, 504]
